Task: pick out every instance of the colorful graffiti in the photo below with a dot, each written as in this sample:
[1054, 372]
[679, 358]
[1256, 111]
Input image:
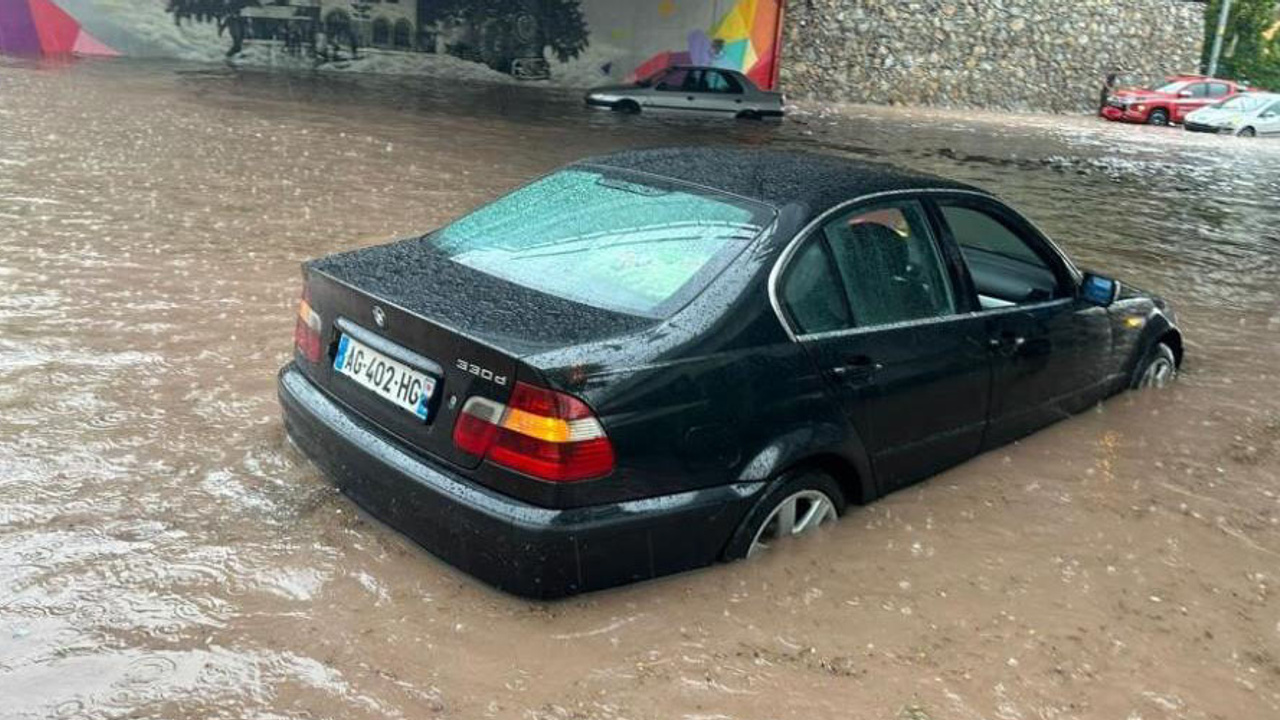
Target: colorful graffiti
[744, 39]
[38, 27]
[576, 43]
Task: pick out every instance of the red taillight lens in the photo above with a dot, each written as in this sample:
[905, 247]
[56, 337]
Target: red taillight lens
[556, 462]
[541, 433]
[306, 332]
[477, 426]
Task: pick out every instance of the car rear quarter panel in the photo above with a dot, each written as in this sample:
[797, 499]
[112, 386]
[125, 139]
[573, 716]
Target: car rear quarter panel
[717, 395]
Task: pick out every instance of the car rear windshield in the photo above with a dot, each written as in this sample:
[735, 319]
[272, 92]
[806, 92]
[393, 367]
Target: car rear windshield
[607, 238]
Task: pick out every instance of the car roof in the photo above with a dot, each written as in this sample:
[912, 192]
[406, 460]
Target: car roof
[780, 178]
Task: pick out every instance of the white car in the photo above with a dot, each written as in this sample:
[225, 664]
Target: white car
[1247, 115]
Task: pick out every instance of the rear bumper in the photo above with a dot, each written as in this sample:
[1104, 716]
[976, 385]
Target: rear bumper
[517, 547]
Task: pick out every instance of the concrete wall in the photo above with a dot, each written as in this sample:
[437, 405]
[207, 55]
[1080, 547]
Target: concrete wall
[1009, 54]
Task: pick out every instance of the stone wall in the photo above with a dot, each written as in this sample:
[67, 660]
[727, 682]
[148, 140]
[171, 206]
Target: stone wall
[1046, 55]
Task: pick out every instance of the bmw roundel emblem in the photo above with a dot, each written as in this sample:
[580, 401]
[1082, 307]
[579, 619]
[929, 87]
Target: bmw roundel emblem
[379, 317]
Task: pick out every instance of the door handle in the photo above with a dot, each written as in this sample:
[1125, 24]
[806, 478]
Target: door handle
[1008, 343]
[857, 369]
[691, 98]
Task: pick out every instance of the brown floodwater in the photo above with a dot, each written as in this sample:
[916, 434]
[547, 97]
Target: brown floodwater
[165, 554]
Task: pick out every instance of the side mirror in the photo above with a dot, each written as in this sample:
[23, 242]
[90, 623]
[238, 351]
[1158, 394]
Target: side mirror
[1099, 290]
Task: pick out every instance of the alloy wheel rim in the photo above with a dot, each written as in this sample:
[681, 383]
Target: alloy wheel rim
[799, 514]
[1158, 374]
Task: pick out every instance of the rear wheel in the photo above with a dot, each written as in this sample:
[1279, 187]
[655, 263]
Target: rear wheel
[1159, 116]
[1248, 132]
[798, 505]
[1158, 369]
[495, 50]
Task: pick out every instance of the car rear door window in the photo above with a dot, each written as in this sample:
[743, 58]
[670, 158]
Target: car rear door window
[1198, 90]
[892, 268]
[674, 81]
[812, 292]
[1007, 268]
[1217, 90]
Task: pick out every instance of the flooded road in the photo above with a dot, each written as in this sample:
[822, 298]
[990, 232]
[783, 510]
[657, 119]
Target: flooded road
[165, 554]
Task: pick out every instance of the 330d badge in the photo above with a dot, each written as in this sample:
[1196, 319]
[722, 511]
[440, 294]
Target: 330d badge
[482, 373]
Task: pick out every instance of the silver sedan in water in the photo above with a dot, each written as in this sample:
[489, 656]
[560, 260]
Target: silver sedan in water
[1247, 115]
[691, 88]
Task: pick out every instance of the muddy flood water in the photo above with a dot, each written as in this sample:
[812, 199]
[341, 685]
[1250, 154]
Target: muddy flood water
[164, 553]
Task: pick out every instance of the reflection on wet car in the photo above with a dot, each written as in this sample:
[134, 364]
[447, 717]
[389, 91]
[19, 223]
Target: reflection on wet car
[651, 361]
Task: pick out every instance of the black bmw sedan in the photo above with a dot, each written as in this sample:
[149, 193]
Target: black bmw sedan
[651, 361]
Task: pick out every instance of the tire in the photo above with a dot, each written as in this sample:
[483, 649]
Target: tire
[1158, 368]
[627, 107]
[1248, 133]
[809, 489]
[1159, 116]
[495, 50]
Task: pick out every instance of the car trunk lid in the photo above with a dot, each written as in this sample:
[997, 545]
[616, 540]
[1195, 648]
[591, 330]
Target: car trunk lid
[464, 329]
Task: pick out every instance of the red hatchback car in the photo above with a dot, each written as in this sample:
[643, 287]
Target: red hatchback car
[1169, 103]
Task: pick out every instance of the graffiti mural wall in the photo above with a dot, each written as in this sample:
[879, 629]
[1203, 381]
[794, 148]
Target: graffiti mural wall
[39, 27]
[569, 42]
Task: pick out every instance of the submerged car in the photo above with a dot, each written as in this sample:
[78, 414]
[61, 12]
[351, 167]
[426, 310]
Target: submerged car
[691, 88]
[652, 361]
[1246, 115]
[1169, 103]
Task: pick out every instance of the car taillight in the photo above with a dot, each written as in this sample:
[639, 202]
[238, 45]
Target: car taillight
[541, 433]
[306, 333]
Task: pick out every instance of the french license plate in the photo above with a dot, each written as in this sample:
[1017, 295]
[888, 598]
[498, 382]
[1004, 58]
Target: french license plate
[394, 381]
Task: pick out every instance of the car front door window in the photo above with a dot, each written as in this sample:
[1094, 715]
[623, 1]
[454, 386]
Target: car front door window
[1007, 269]
[718, 82]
